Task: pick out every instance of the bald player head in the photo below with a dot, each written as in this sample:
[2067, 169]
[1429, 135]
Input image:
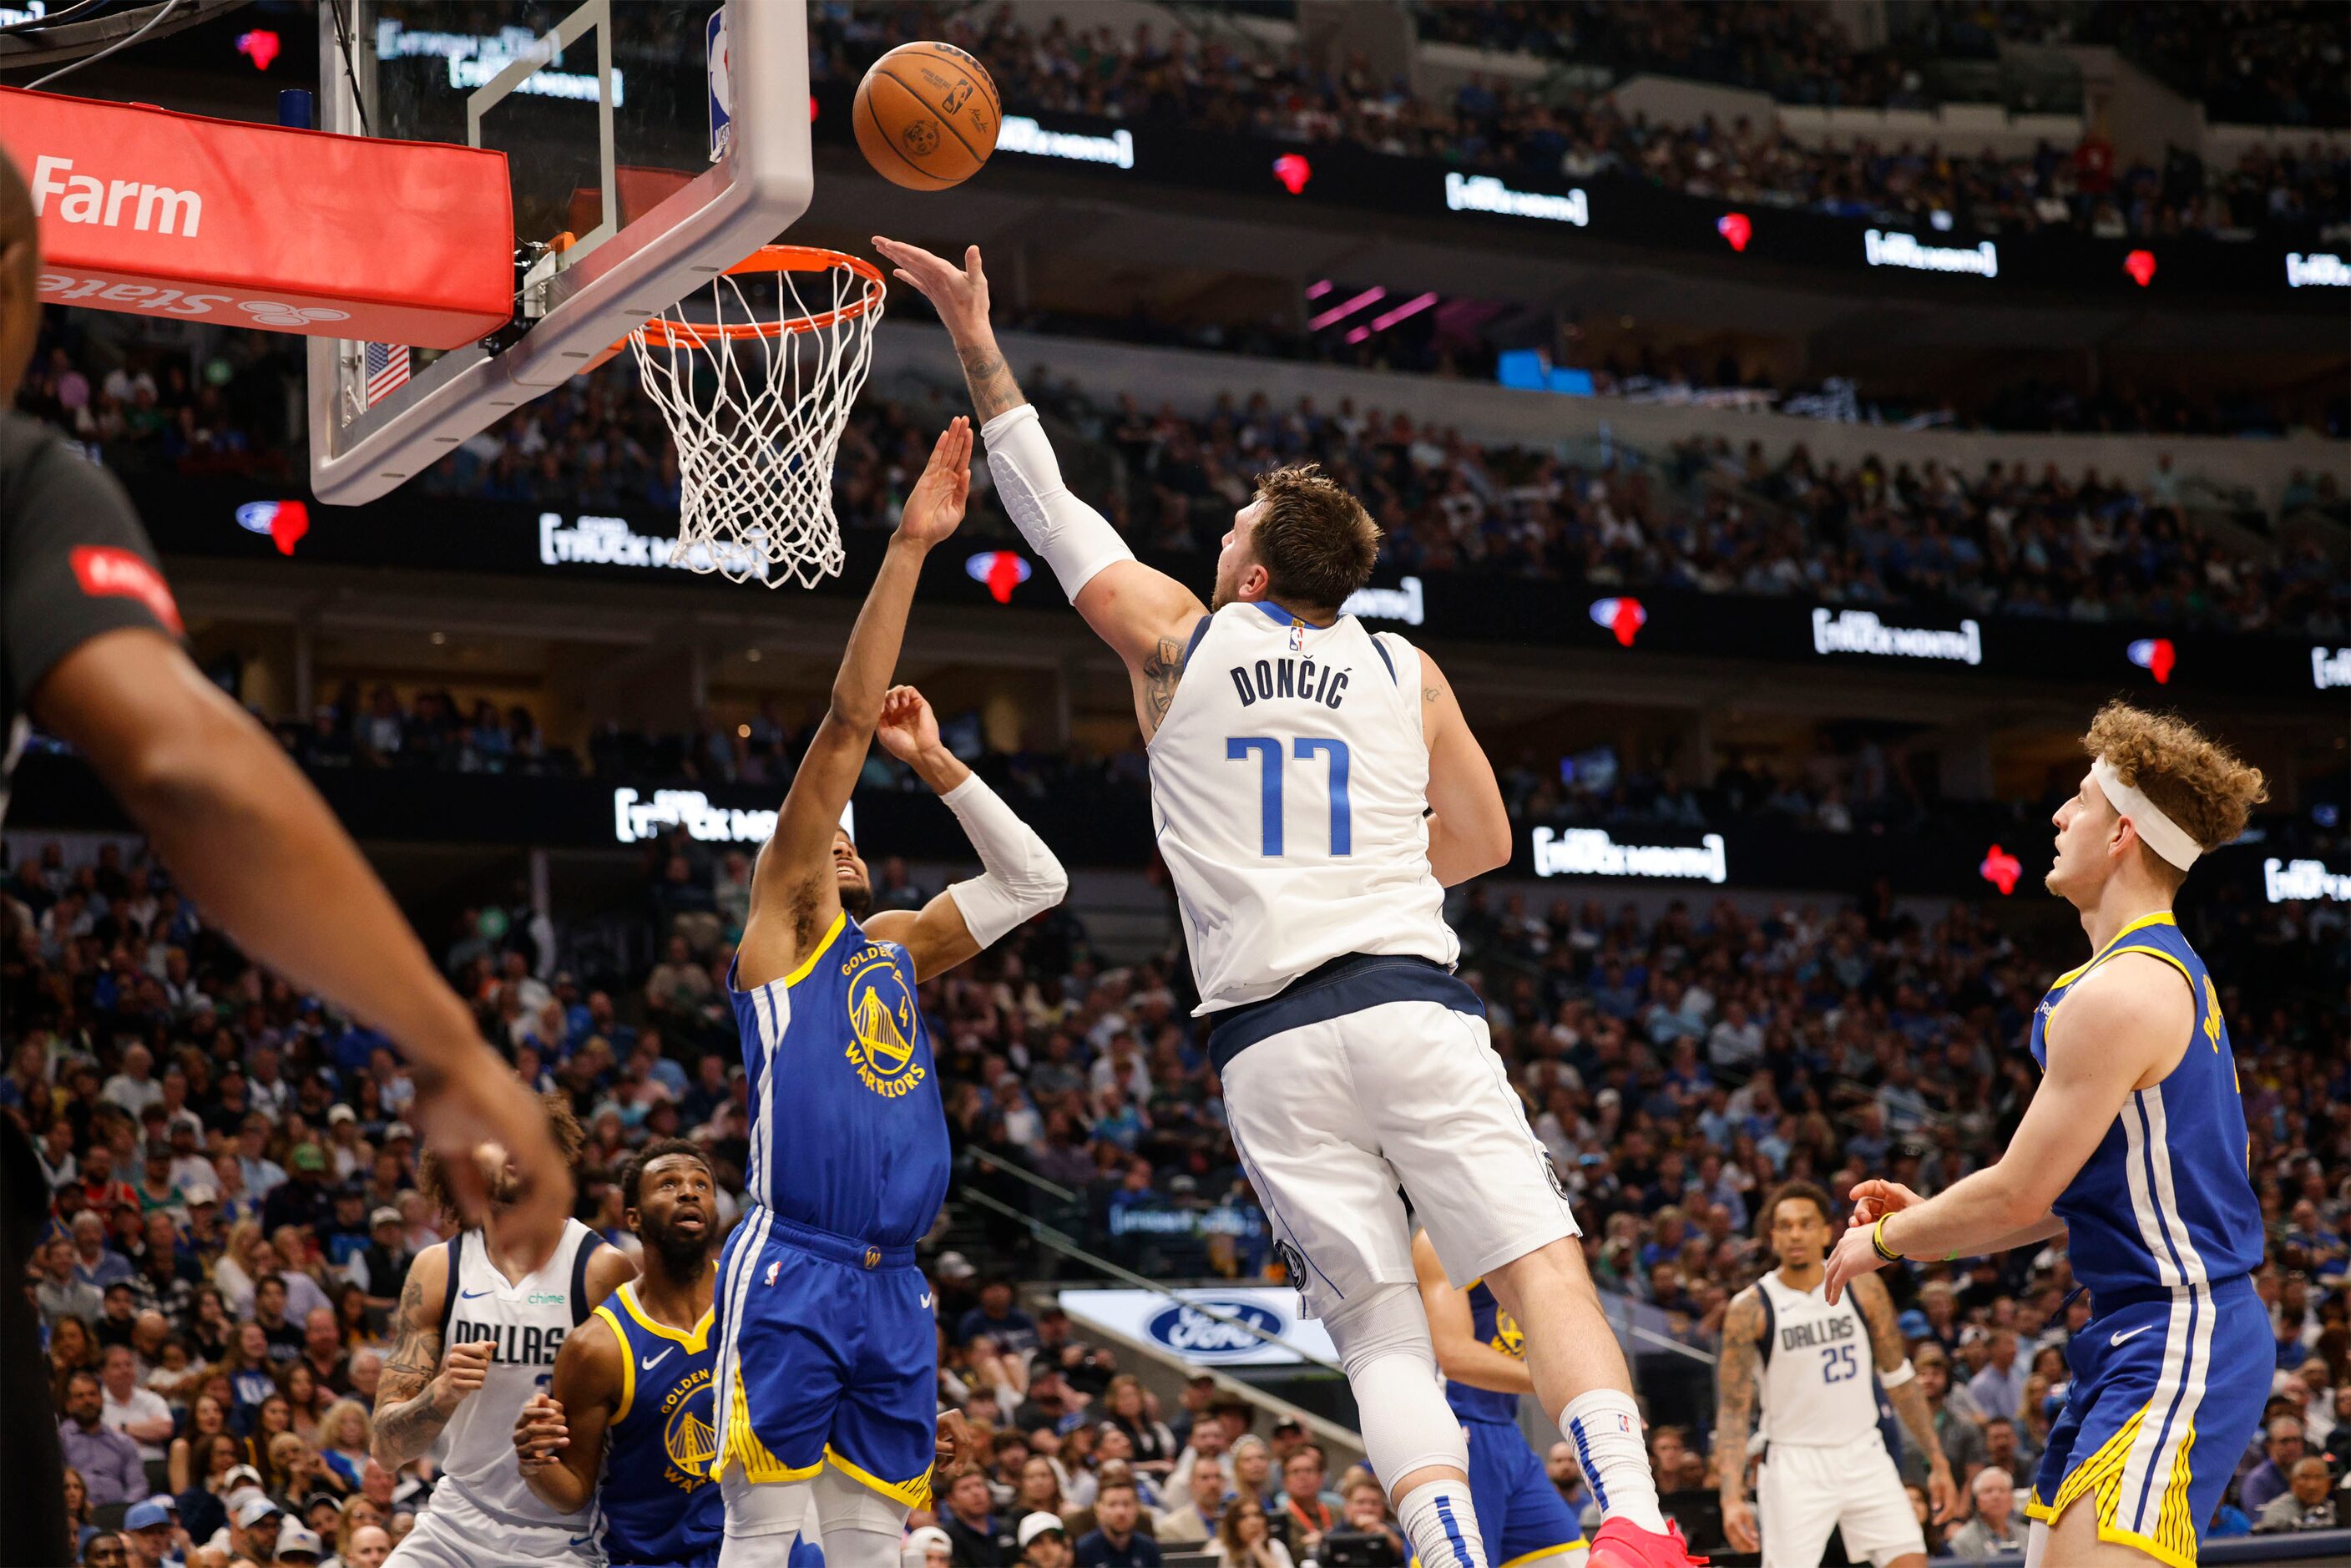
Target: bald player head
[20, 267]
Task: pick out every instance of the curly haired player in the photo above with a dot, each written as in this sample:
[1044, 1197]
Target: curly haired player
[2136, 1147]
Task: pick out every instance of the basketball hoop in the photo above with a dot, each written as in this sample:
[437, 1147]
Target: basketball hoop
[756, 398]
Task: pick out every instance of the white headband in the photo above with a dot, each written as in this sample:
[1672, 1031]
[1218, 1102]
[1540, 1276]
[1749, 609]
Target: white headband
[2167, 838]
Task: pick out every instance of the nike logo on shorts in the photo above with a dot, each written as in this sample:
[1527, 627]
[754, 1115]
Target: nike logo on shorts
[927, 1300]
[2119, 1339]
[649, 1362]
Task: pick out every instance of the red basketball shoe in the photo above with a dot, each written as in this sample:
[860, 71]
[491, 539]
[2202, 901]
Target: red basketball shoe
[1621, 1543]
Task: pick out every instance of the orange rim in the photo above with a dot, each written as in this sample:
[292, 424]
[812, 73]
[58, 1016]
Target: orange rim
[668, 333]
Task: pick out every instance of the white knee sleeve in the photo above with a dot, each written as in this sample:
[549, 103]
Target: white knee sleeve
[1391, 1363]
[1076, 540]
[857, 1526]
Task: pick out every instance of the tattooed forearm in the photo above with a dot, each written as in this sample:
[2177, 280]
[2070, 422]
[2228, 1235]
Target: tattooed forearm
[1735, 1376]
[992, 389]
[406, 1420]
[1162, 669]
[1909, 1400]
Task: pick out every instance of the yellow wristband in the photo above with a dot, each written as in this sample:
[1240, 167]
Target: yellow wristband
[1877, 1240]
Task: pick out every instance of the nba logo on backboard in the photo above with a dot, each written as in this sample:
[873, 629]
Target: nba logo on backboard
[721, 117]
[773, 1270]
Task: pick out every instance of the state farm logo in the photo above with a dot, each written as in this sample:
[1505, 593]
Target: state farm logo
[65, 288]
[105, 572]
[114, 203]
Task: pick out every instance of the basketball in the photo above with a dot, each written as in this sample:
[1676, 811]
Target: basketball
[926, 116]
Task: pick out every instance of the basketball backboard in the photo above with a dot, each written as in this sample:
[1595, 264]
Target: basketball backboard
[649, 143]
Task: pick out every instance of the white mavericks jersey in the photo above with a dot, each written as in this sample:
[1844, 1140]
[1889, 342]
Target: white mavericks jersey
[529, 1319]
[1289, 781]
[1820, 1384]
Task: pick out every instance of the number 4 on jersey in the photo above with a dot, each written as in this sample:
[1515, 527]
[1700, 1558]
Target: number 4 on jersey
[1267, 749]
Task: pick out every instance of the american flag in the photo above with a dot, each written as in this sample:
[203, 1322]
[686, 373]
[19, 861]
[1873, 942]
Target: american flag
[387, 370]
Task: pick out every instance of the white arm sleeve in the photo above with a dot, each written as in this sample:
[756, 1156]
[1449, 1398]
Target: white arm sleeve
[1075, 541]
[1022, 877]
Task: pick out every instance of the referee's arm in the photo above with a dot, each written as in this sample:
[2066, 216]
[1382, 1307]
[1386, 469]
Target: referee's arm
[89, 644]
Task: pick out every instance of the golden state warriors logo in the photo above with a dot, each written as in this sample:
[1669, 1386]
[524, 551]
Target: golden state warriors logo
[1509, 1338]
[688, 1435]
[881, 1023]
[2211, 1014]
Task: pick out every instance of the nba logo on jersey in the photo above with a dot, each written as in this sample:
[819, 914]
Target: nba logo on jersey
[1297, 636]
[773, 1270]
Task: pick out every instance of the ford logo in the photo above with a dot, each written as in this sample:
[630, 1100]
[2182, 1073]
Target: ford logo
[1187, 1330]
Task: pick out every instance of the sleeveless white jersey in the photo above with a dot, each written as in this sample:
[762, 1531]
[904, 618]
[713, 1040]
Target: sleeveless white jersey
[1289, 784]
[530, 1319]
[1820, 1384]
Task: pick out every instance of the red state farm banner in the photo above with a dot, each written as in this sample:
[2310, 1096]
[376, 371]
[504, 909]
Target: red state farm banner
[155, 213]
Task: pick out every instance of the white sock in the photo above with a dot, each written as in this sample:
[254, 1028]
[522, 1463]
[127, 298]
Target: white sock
[1442, 1526]
[1605, 1428]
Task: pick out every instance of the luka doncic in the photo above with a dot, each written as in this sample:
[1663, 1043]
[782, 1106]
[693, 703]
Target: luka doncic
[827, 1362]
[2135, 1147]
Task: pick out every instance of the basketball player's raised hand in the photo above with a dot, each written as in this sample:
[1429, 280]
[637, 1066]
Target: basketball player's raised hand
[909, 728]
[539, 1431]
[959, 294]
[934, 506]
[1873, 1200]
[463, 1368]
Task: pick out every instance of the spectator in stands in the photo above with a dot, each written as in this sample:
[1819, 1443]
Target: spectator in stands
[1193, 1521]
[980, 1538]
[1998, 1528]
[1244, 1539]
[137, 1413]
[1044, 1542]
[1117, 1539]
[998, 1318]
[1304, 1511]
[1367, 1513]
[2272, 1478]
[107, 1459]
[1999, 1388]
[2307, 1504]
[2002, 1451]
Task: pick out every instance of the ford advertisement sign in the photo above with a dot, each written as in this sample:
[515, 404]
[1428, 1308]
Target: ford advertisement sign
[1195, 1335]
[1243, 1325]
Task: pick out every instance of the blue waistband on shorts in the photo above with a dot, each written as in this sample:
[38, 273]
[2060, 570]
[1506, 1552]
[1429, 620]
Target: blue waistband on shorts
[839, 1249]
[2222, 1292]
[1347, 983]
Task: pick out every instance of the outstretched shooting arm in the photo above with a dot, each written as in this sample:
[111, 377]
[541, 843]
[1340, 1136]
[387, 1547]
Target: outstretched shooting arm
[1144, 614]
[795, 888]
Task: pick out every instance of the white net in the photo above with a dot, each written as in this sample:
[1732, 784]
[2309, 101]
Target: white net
[757, 395]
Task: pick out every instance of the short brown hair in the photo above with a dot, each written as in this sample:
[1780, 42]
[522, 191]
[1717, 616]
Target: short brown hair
[2197, 782]
[569, 1139]
[1314, 539]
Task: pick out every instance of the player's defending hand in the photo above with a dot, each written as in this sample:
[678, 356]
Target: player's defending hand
[463, 1368]
[909, 730]
[480, 1102]
[539, 1432]
[1855, 1254]
[1738, 1525]
[1873, 1200]
[959, 294]
[934, 506]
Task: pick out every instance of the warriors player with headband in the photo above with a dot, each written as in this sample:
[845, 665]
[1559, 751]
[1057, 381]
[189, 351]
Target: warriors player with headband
[1315, 789]
[2135, 1147]
[1817, 1366]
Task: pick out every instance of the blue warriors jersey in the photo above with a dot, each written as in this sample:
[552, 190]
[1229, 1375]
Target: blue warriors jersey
[1494, 1327]
[848, 1132]
[2165, 1201]
[657, 1507]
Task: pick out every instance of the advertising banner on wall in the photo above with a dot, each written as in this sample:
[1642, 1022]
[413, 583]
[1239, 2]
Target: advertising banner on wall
[1203, 1327]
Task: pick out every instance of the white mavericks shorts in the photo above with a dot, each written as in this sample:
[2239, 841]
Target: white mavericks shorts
[1803, 1493]
[1331, 1114]
[452, 1532]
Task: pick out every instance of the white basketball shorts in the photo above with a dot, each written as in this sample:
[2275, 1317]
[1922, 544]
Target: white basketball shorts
[1332, 1117]
[453, 1533]
[1803, 1493]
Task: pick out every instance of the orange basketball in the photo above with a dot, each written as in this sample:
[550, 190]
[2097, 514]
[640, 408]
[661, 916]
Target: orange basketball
[926, 116]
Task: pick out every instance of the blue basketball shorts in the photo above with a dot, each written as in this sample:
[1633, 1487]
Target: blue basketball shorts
[827, 1353]
[2168, 1388]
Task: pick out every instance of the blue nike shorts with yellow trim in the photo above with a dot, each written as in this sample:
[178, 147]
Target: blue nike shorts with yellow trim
[2168, 1389]
[1521, 1514]
[830, 1357]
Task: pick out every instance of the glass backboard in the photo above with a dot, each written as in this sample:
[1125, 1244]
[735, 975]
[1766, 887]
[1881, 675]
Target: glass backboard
[650, 144]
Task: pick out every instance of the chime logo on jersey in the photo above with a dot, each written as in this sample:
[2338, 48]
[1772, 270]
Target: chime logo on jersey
[688, 1435]
[881, 1023]
[516, 1345]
